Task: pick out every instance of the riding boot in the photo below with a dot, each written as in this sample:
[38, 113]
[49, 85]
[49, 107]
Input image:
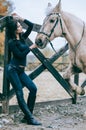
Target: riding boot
[31, 102]
[30, 120]
[28, 115]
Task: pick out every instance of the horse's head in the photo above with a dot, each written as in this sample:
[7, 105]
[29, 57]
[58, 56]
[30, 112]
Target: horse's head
[51, 28]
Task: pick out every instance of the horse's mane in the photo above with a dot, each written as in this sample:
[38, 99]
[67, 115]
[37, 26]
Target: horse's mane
[72, 16]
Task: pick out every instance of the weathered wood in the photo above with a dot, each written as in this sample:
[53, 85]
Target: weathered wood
[53, 71]
[41, 68]
[2, 22]
[83, 84]
[6, 85]
[36, 27]
[76, 80]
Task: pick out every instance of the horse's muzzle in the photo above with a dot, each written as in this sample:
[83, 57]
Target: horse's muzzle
[40, 43]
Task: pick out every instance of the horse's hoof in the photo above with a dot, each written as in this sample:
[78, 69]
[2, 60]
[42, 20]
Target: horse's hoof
[80, 91]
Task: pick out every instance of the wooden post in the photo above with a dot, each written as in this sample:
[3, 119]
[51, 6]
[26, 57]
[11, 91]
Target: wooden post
[76, 80]
[6, 85]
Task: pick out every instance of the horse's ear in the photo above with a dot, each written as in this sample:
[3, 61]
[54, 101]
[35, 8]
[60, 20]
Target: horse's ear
[58, 7]
[49, 4]
[48, 9]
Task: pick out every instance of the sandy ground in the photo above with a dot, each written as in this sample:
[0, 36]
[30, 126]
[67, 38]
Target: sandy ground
[54, 116]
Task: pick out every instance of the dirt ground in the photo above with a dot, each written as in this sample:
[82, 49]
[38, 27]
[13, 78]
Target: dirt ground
[54, 112]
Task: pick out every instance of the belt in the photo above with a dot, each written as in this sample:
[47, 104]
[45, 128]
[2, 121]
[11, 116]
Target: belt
[21, 66]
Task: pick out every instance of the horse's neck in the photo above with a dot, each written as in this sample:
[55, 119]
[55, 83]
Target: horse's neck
[73, 28]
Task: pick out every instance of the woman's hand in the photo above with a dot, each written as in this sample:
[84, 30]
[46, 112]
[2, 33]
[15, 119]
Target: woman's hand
[33, 46]
[17, 17]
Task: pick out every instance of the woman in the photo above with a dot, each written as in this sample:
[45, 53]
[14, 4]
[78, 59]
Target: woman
[15, 69]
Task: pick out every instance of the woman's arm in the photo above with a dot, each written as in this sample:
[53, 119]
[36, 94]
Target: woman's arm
[28, 31]
[33, 46]
[30, 24]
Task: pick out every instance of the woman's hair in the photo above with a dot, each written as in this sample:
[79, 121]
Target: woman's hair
[11, 27]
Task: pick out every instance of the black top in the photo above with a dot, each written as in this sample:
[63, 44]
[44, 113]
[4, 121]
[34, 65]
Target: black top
[19, 48]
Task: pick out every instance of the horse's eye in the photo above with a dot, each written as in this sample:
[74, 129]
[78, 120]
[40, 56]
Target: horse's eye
[51, 21]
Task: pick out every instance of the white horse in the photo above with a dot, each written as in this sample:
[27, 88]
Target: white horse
[59, 23]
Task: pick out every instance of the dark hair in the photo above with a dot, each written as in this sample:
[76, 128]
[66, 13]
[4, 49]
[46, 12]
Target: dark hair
[11, 27]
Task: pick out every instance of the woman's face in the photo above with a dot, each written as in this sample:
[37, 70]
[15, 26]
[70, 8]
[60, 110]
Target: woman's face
[19, 28]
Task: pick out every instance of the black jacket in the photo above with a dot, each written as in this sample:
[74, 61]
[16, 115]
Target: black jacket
[18, 48]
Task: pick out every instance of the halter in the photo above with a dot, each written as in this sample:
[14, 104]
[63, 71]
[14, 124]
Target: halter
[52, 30]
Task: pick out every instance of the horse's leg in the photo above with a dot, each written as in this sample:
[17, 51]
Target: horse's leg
[68, 73]
[79, 90]
[67, 76]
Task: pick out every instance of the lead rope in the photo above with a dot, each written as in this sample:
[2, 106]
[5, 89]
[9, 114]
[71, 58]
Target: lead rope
[52, 46]
[49, 41]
